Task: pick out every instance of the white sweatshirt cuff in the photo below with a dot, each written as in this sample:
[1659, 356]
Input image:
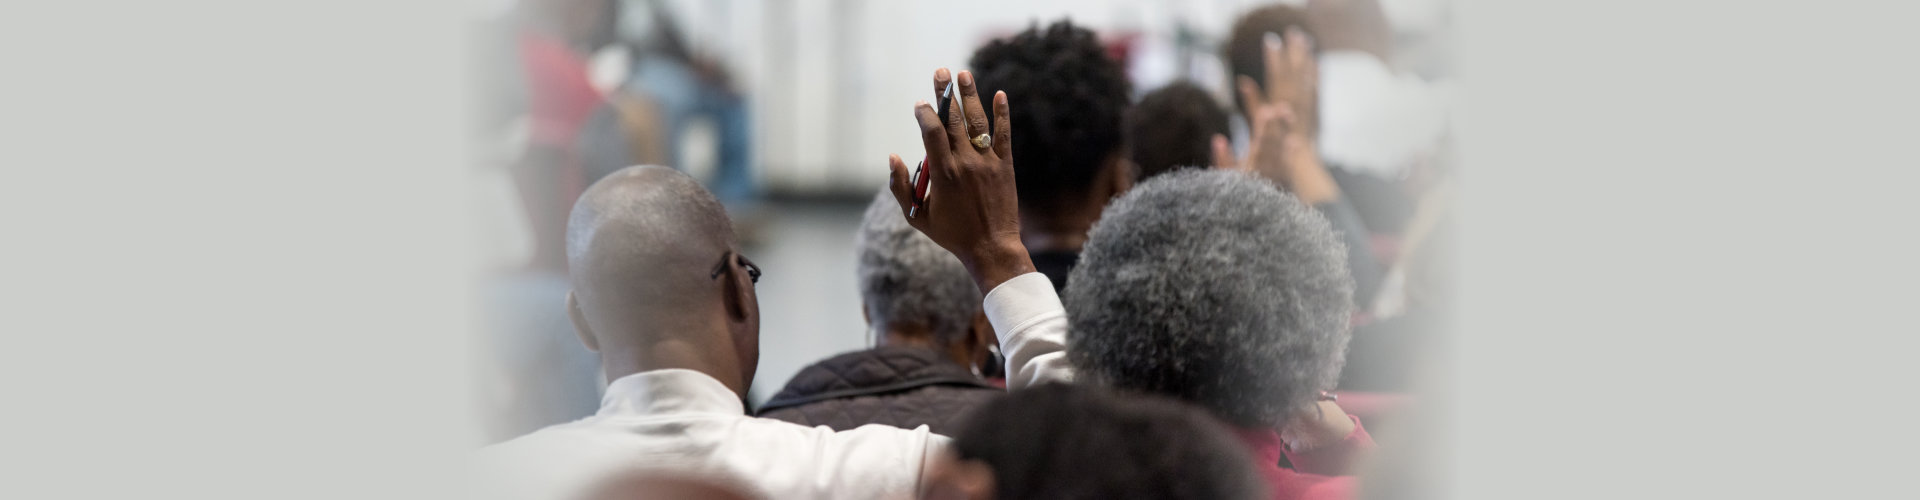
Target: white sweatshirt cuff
[1020, 301]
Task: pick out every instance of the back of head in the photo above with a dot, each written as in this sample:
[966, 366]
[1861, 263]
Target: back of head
[1078, 442]
[1245, 49]
[1172, 128]
[1351, 25]
[908, 280]
[1067, 98]
[642, 242]
[1213, 287]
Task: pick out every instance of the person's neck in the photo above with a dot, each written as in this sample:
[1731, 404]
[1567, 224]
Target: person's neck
[1056, 233]
[621, 361]
[916, 336]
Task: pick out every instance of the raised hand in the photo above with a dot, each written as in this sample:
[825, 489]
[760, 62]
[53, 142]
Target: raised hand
[1282, 119]
[971, 207]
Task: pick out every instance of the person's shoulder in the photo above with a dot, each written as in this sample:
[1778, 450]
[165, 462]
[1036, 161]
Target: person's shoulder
[546, 437]
[548, 463]
[865, 439]
[872, 461]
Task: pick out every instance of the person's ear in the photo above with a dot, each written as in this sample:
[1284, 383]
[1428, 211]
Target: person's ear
[743, 319]
[1120, 177]
[1223, 154]
[980, 339]
[580, 325]
[739, 298]
[873, 334]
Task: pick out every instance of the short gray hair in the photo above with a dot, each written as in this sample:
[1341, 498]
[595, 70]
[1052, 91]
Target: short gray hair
[907, 278]
[1213, 287]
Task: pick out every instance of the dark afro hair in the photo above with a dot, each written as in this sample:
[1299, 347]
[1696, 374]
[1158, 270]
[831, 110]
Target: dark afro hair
[1246, 45]
[1173, 128]
[1067, 98]
[1059, 441]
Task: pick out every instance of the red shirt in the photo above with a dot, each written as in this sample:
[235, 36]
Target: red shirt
[560, 101]
[1319, 474]
[560, 96]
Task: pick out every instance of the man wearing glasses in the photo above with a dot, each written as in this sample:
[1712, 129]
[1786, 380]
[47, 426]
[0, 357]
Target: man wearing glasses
[678, 338]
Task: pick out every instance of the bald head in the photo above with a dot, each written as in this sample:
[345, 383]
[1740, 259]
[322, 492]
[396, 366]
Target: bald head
[640, 215]
[642, 247]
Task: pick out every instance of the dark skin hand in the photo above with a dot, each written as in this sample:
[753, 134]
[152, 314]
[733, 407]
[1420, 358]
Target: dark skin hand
[1323, 425]
[971, 208]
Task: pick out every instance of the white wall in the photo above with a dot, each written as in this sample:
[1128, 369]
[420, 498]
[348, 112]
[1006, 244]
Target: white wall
[833, 81]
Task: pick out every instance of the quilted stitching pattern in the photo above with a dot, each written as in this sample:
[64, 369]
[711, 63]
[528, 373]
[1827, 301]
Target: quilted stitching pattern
[940, 407]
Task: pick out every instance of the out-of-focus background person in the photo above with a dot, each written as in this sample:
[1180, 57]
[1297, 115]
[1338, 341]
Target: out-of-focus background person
[786, 112]
[1081, 441]
[933, 353]
[1174, 127]
[1072, 97]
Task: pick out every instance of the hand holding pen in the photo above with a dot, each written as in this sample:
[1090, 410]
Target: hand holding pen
[968, 205]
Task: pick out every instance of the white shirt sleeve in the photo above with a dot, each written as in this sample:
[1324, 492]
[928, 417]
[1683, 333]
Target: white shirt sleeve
[1032, 327]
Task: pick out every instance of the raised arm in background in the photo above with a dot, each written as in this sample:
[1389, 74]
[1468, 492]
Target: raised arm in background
[1283, 149]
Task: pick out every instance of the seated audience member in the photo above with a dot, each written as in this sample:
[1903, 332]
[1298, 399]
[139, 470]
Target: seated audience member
[1060, 441]
[924, 315]
[553, 40]
[1067, 135]
[664, 297]
[1214, 287]
[1210, 286]
[1177, 126]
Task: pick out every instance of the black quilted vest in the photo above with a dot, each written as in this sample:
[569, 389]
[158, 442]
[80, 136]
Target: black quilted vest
[903, 387]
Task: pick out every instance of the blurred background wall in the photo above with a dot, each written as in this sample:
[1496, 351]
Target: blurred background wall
[831, 80]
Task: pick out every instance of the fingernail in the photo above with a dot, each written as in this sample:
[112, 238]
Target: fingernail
[966, 78]
[1273, 40]
[942, 74]
[1300, 35]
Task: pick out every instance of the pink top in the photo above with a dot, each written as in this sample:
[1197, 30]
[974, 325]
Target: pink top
[1323, 473]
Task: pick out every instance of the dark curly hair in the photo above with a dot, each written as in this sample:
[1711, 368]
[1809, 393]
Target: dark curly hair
[1245, 50]
[1173, 127]
[1212, 287]
[1067, 98]
[1082, 442]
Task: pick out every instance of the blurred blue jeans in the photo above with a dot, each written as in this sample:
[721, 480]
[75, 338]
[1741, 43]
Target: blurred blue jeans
[682, 96]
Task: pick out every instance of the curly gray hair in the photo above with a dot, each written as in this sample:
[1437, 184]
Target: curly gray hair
[1213, 287]
[906, 278]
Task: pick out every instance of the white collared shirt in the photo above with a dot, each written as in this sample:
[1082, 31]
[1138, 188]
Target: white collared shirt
[685, 421]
